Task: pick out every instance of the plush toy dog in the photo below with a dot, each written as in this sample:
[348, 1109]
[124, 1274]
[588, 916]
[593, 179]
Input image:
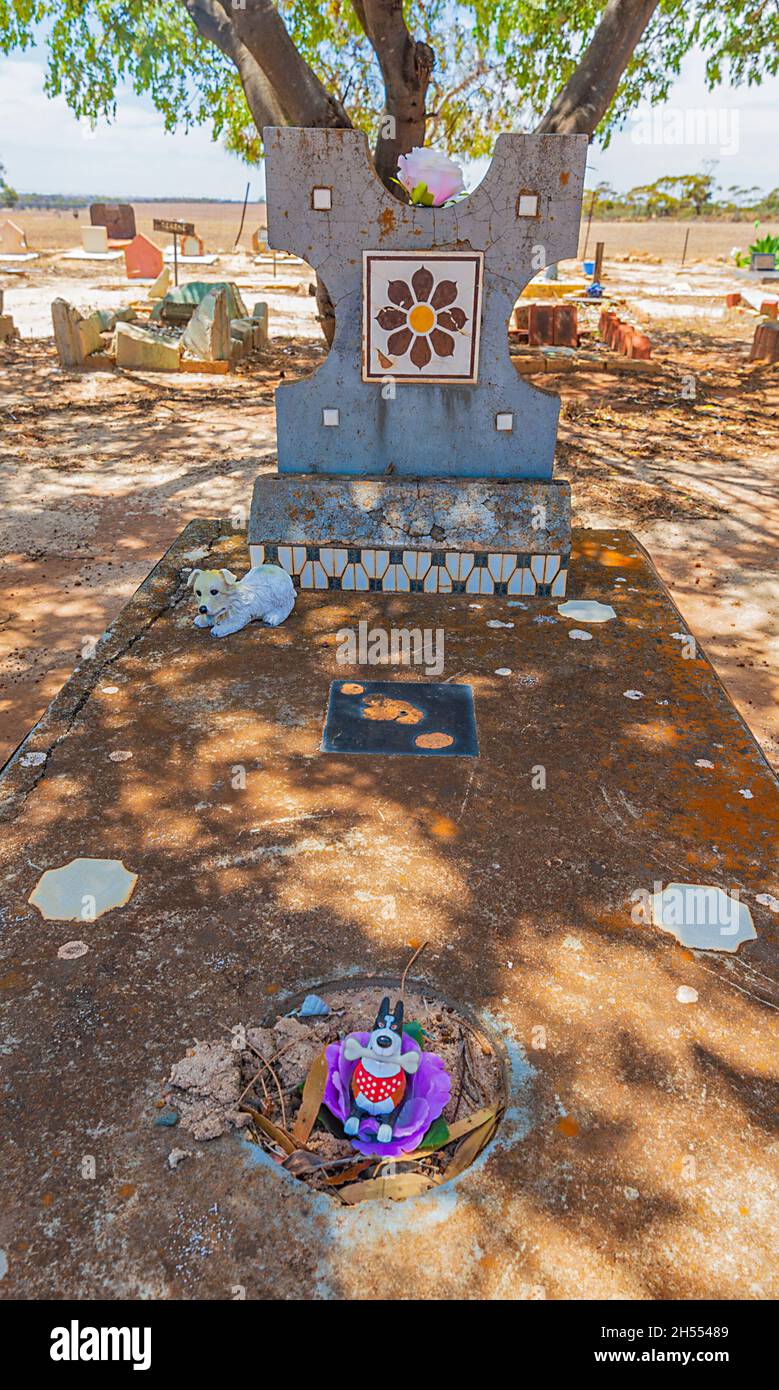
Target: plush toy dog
[226, 604]
[379, 1079]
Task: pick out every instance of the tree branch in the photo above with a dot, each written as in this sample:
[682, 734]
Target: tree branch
[589, 91]
[303, 97]
[406, 65]
[211, 21]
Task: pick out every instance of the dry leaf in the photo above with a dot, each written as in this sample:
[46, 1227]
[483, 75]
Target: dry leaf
[274, 1132]
[301, 1162]
[396, 1189]
[349, 1174]
[469, 1148]
[313, 1092]
[456, 1131]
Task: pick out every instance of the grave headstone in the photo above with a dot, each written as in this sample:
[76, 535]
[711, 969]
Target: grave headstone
[143, 259]
[94, 240]
[418, 383]
[207, 335]
[117, 218]
[13, 242]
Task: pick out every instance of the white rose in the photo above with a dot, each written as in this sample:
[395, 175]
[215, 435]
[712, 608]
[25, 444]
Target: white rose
[440, 177]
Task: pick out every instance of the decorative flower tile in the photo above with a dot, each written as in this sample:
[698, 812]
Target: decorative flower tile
[422, 315]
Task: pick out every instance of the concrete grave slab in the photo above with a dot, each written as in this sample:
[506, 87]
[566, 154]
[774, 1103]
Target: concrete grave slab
[138, 349]
[625, 1052]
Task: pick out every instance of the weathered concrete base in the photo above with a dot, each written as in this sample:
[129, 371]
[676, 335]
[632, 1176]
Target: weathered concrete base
[460, 536]
[637, 1159]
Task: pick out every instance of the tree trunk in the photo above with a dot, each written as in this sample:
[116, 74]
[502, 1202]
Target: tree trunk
[589, 91]
[282, 88]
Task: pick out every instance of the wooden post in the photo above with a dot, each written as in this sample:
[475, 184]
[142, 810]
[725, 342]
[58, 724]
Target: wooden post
[589, 220]
[686, 239]
[176, 229]
[599, 249]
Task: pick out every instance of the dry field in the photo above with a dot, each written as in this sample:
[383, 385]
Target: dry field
[218, 225]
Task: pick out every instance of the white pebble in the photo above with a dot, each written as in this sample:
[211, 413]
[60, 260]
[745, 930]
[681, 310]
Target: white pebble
[495, 622]
[632, 1193]
[72, 950]
[633, 694]
[503, 671]
[745, 792]
[768, 901]
[686, 995]
[579, 635]
[703, 762]
[120, 756]
[32, 759]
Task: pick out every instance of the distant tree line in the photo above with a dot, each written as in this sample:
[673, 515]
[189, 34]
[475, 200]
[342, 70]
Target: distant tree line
[66, 202]
[680, 197]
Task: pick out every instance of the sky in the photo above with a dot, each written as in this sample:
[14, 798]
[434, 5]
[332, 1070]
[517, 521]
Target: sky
[46, 150]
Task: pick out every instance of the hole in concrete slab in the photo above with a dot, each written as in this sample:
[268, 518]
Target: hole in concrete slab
[286, 1086]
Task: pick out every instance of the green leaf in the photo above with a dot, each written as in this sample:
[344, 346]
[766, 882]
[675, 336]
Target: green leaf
[437, 1134]
[421, 196]
[415, 1030]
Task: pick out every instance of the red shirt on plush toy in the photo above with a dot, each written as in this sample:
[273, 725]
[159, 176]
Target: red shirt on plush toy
[379, 1080]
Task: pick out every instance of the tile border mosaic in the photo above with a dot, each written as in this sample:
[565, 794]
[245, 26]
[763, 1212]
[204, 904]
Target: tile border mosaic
[372, 569]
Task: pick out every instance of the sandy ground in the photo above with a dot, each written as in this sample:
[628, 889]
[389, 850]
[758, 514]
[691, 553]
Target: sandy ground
[99, 472]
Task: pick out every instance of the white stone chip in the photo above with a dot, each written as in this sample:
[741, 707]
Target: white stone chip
[71, 950]
[32, 759]
[579, 635]
[767, 900]
[633, 694]
[702, 916]
[685, 994]
[503, 671]
[586, 610]
[82, 890]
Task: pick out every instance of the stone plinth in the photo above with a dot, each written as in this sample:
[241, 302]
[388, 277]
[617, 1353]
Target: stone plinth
[443, 535]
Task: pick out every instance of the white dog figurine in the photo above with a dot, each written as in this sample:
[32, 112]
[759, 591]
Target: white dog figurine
[226, 604]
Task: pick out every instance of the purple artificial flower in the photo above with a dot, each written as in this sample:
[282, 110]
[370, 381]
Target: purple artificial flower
[427, 1093]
